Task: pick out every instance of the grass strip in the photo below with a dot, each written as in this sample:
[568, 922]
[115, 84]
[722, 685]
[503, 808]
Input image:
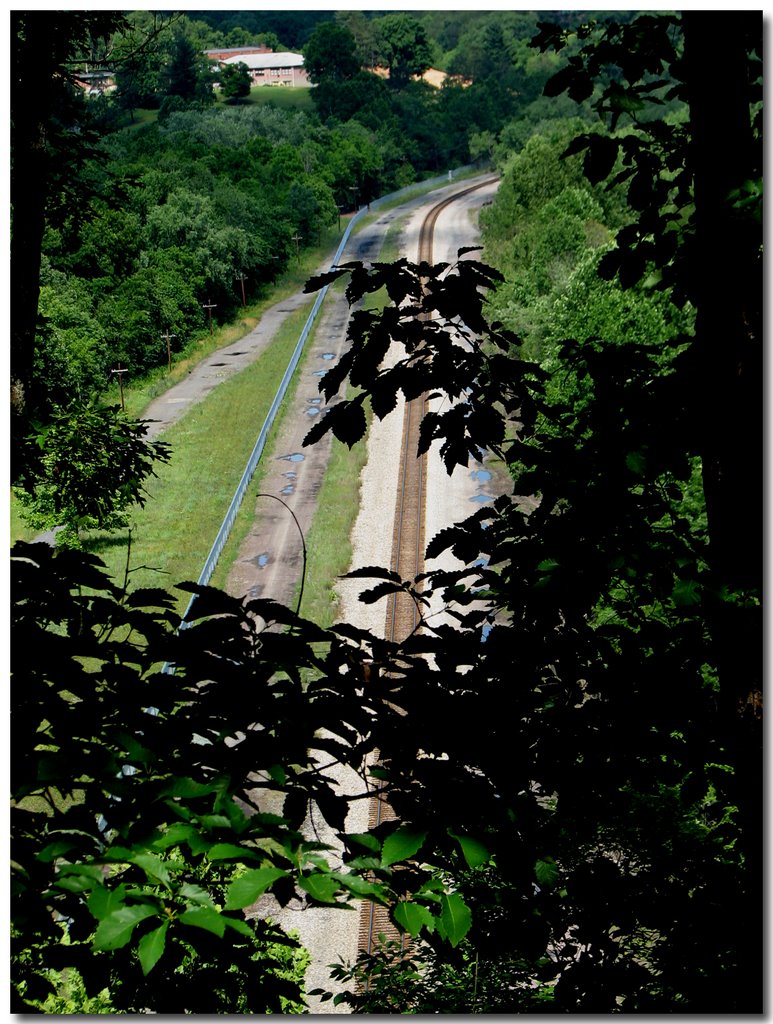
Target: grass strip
[188, 499]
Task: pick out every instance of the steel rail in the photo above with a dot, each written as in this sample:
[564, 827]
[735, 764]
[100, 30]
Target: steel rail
[402, 616]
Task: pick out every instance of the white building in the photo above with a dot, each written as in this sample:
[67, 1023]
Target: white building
[273, 68]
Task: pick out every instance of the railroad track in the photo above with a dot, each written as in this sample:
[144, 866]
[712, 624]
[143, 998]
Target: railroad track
[408, 540]
[408, 546]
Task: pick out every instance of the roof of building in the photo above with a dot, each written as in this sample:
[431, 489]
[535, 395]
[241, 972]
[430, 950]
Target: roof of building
[231, 50]
[259, 61]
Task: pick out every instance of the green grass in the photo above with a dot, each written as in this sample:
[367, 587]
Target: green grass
[173, 534]
[284, 97]
[328, 544]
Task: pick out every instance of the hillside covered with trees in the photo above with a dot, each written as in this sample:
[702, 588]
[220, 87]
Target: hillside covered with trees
[145, 223]
[576, 766]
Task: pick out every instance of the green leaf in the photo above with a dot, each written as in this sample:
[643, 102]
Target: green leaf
[401, 845]
[245, 891]
[215, 821]
[74, 883]
[413, 917]
[365, 839]
[636, 462]
[321, 887]
[153, 867]
[175, 835]
[474, 852]
[116, 929]
[195, 894]
[53, 850]
[204, 917]
[103, 901]
[548, 565]
[546, 871]
[189, 788]
[151, 947]
[431, 890]
[455, 918]
[358, 885]
[686, 593]
[230, 851]
[238, 924]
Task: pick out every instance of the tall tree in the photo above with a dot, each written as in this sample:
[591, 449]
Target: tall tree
[187, 74]
[403, 48]
[329, 55]
[46, 51]
[235, 82]
[695, 205]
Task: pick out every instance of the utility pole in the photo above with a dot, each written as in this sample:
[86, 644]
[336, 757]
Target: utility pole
[168, 338]
[244, 299]
[209, 306]
[297, 240]
[120, 373]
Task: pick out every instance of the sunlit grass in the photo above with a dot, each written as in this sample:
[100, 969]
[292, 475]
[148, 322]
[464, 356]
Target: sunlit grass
[188, 499]
[285, 97]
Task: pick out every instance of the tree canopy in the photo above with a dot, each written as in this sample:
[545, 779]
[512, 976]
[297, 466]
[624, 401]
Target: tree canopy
[403, 47]
[574, 754]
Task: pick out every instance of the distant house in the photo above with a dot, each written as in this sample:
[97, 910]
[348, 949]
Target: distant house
[272, 68]
[431, 76]
[96, 83]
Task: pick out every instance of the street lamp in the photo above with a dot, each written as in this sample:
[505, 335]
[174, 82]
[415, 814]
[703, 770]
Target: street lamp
[168, 338]
[209, 306]
[121, 371]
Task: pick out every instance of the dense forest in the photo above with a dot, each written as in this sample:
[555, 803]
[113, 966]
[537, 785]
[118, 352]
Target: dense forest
[579, 796]
[165, 213]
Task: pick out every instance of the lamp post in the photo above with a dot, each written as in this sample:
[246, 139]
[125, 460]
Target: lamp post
[168, 337]
[209, 306]
[120, 371]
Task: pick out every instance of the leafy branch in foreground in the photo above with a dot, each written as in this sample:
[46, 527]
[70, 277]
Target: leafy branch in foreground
[561, 743]
[85, 468]
[153, 811]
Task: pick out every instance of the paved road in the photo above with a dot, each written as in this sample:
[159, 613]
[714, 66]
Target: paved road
[270, 559]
